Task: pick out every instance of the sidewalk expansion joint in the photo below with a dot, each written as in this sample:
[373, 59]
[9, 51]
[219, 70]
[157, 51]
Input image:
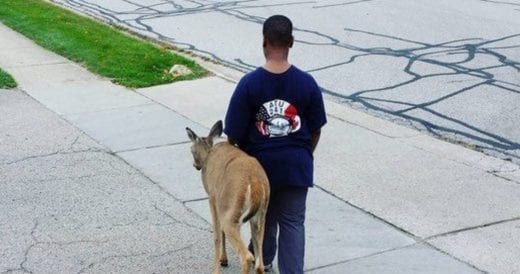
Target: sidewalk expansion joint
[494, 173]
[361, 257]
[418, 240]
[152, 147]
[168, 107]
[452, 256]
[408, 233]
[41, 65]
[106, 110]
[471, 228]
[195, 200]
[176, 221]
[49, 155]
[497, 173]
[140, 172]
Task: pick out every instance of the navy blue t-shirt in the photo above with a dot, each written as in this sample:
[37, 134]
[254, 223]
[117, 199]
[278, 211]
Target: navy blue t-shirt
[271, 116]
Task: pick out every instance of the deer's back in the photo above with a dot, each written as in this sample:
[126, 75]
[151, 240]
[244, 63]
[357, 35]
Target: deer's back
[230, 168]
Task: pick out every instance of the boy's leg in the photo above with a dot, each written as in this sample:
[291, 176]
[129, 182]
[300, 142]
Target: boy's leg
[291, 218]
[271, 230]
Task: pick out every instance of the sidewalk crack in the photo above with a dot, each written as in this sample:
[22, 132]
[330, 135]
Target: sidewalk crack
[471, 228]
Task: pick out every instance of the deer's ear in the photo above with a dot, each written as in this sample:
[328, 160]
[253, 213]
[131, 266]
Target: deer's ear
[193, 137]
[216, 130]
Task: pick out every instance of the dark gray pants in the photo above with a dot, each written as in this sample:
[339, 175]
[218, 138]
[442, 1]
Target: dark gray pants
[286, 213]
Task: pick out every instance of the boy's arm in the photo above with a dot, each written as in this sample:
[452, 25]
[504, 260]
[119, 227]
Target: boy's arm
[315, 138]
[317, 117]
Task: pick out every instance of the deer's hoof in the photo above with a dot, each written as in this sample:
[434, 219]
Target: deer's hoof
[224, 262]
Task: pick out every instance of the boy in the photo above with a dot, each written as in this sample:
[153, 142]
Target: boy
[275, 115]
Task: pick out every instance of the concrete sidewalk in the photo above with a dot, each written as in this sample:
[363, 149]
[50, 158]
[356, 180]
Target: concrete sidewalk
[388, 199]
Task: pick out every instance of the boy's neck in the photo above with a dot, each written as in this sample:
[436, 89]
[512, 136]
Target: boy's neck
[277, 65]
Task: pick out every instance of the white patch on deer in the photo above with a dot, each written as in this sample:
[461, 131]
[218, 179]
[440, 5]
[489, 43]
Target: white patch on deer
[247, 205]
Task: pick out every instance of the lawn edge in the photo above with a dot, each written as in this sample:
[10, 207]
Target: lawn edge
[158, 44]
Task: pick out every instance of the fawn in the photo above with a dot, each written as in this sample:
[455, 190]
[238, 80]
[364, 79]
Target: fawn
[238, 191]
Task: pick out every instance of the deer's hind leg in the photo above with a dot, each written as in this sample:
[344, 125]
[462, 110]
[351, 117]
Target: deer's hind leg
[232, 231]
[257, 224]
[223, 253]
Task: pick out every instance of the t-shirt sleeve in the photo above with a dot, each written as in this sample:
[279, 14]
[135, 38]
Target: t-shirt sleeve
[238, 113]
[316, 116]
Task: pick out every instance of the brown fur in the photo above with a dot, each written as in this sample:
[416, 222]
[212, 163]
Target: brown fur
[238, 191]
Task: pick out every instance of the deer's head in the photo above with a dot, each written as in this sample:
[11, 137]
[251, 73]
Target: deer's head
[202, 145]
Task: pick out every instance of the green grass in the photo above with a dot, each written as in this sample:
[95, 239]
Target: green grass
[6, 81]
[101, 48]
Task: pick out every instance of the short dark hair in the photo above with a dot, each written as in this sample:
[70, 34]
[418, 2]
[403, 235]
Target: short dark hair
[277, 31]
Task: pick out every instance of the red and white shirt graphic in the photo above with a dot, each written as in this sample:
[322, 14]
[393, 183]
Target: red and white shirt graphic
[277, 118]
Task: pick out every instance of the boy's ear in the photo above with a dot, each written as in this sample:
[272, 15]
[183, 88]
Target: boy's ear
[216, 130]
[193, 137]
[292, 42]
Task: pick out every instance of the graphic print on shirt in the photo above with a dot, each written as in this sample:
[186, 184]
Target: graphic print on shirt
[277, 118]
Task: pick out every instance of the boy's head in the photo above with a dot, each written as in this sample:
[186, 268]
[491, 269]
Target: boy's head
[277, 32]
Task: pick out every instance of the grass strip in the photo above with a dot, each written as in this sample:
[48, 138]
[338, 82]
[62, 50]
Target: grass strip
[101, 48]
[6, 81]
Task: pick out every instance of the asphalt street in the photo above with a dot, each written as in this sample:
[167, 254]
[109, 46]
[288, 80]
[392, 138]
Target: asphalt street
[449, 68]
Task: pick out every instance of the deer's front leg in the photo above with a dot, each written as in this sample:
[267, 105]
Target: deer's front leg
[217, 236]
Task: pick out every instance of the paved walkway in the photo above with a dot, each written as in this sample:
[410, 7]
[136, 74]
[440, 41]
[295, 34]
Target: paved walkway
[98, 178]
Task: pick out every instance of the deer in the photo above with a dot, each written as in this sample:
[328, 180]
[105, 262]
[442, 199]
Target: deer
[238, 192]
